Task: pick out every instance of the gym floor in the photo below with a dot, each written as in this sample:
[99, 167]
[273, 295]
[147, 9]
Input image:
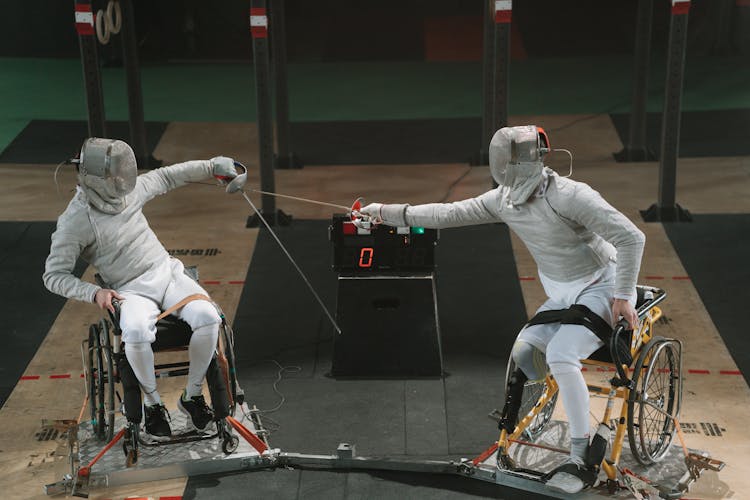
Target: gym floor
[702, 264]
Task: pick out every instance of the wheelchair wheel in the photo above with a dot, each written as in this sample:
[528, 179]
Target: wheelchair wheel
[101, 386]
[654, 401]
[532, 391]
[227, 340]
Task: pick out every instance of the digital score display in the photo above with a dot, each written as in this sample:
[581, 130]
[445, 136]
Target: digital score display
[381, 248]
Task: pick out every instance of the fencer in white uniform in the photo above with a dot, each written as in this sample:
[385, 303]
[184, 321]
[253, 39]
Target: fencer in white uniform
[586, 251]
[104, 225]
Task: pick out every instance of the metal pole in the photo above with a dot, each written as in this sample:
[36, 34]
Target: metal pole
[488, 71]
[666, 209]
[133, 79]
[285, 157]
[92, 80]
[259, 32]
[503, 14]
[637, 148]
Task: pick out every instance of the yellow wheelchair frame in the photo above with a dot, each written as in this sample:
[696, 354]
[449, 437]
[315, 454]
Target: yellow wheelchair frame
[651, 397]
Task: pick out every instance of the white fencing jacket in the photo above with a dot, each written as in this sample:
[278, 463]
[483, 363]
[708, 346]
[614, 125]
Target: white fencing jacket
[570, 230]
[121, 246]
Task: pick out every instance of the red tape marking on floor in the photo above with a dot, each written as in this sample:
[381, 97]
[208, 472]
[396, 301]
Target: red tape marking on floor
[526, 278]
[212, 282]
[30, 377]
[64, 375]
[701, 372]
[730, 372]
[237, 282]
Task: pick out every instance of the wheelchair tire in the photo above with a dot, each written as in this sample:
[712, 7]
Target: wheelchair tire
[227, 339]
[230, 444]
[654, 401]
[532, 391]
[108, 381]
[101, 391]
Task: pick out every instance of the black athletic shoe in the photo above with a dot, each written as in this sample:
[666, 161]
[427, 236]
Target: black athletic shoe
[198, 411]
[156, 421]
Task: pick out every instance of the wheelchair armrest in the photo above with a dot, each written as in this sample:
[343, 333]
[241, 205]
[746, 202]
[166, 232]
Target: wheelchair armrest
[115, 316]
[651, 296]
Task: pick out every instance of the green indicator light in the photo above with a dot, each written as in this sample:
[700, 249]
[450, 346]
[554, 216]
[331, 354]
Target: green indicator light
[417, 230]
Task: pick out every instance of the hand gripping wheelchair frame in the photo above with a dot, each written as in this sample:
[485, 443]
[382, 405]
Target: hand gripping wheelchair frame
[106, 366]
[648, 380]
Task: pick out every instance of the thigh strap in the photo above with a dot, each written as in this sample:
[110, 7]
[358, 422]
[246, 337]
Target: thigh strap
[189, 298]
[577, 314]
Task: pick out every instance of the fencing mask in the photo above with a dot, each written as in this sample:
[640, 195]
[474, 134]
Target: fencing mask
[516, 161]
[107, 171]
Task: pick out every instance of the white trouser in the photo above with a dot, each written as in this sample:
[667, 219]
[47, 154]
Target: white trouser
[145, 298]
[566, 345]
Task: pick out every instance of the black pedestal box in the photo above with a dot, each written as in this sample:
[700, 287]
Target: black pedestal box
[389, 327]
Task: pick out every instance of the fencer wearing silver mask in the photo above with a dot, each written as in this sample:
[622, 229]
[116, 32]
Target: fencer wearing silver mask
[586, 252]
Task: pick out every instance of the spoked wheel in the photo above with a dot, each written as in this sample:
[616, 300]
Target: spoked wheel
[655, 400]
[101, 391]
[108, 379]
[532, 391]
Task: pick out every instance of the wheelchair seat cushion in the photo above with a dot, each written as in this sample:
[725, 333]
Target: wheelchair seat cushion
[171, 332]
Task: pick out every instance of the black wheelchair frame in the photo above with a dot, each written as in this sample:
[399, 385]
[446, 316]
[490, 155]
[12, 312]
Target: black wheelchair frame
[105, 366]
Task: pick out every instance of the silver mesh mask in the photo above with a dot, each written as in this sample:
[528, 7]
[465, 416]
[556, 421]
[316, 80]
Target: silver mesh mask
[107, 173]
[516, 162]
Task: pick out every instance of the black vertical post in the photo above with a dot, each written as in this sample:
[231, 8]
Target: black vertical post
[133, 79]
[666, 209]
[503, 14]
[636, 148]
[92, 80]
[285, 157]
[259, 31]
[488, 72]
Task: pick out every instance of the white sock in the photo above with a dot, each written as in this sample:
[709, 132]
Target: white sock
[141, 359]
[201, 350]
[575, 397]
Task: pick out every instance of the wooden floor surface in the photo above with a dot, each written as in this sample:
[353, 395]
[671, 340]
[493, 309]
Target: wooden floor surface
[203, 216]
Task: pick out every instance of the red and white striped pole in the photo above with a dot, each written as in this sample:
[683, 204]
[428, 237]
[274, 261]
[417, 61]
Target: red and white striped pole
[503, 11]
[666, 208]
[84, 20]
[680, 7]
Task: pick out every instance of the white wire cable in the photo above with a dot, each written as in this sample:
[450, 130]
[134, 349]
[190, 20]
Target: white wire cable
[57, 185]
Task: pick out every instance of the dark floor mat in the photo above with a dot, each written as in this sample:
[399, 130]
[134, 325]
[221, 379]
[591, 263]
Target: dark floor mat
[28, 309]
[278, 321]
[702, 133]
[720, 275]
[52, 141]
[454, 140]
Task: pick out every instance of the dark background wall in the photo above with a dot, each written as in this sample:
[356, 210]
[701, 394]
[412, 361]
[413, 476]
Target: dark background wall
[337, 30]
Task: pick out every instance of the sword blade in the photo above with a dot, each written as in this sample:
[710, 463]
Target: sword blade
[294, 263]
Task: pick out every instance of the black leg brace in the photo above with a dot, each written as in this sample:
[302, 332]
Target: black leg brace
[131, 390]
[217, 388]
[513, 395]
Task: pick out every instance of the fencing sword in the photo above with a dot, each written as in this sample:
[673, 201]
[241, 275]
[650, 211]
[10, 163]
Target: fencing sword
[237, 185]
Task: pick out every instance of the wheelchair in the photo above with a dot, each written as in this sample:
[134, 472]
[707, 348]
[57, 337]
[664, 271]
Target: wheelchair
[111, 383]
[647, 378]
